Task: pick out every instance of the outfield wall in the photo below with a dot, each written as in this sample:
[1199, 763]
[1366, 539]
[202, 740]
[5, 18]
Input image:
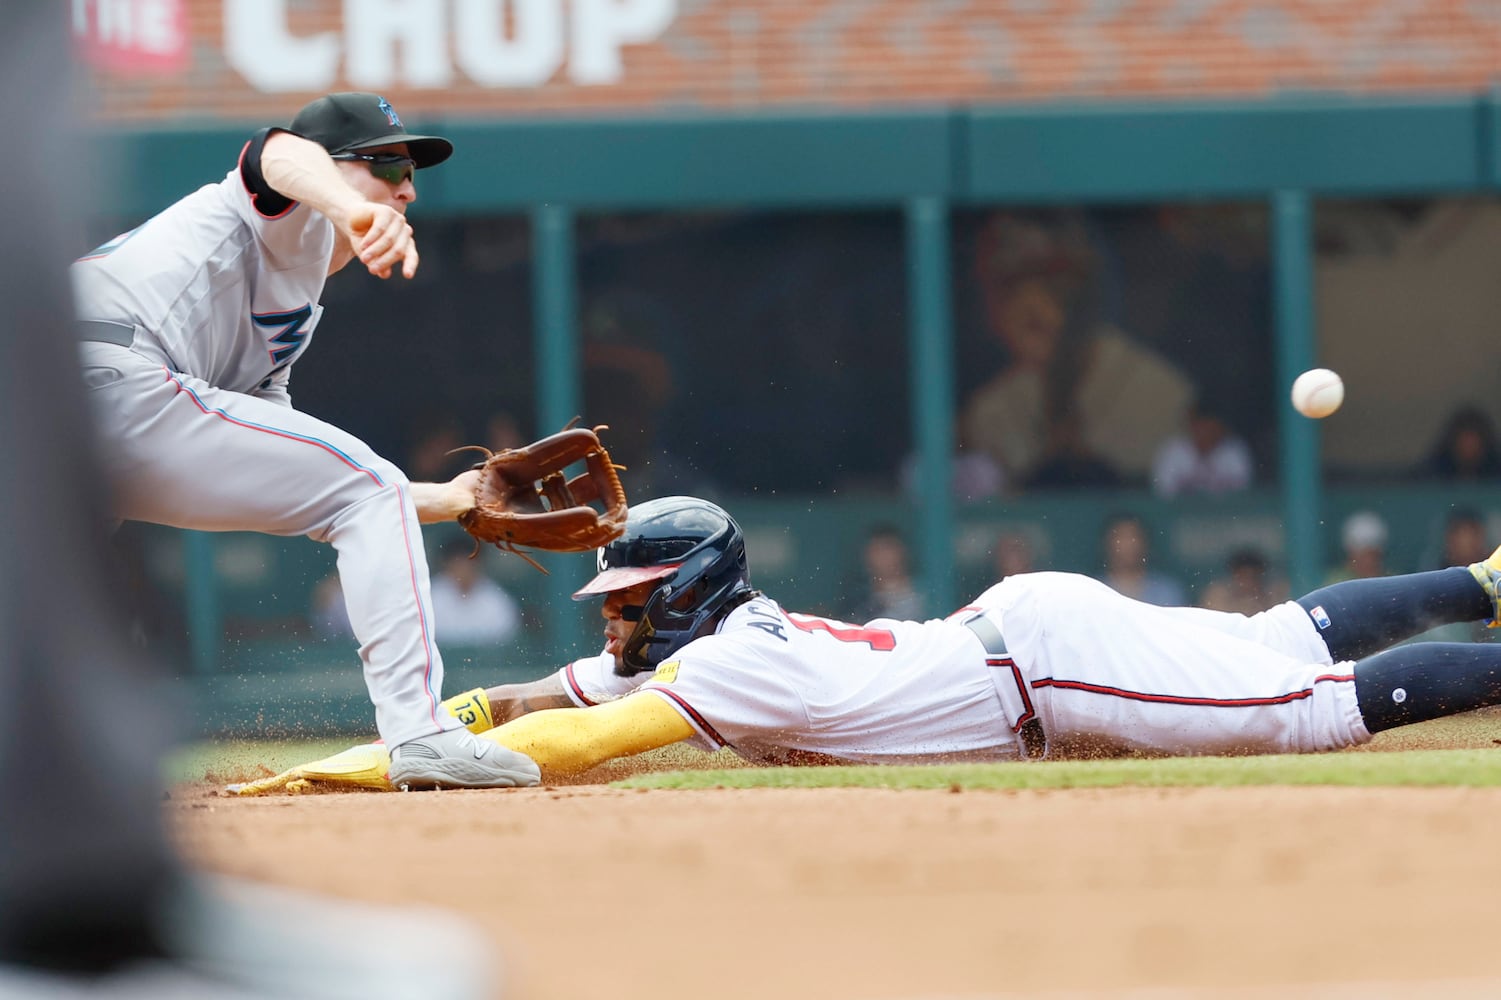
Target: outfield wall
[1287, 154]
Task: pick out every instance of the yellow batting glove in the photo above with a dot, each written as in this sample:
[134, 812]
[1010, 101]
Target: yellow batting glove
[364, 766]
[472, 708]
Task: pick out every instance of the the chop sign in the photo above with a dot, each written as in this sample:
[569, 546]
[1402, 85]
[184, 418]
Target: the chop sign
[422, 44]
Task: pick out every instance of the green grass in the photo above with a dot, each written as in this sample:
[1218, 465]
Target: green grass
[222, 761]
[1413, 767]
[1462, 751]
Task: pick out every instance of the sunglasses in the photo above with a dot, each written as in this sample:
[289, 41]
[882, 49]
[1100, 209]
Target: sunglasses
[393, 168]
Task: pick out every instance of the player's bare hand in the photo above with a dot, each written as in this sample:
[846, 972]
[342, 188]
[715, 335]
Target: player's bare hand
[467, 482]
[446, 501]
[382, 238]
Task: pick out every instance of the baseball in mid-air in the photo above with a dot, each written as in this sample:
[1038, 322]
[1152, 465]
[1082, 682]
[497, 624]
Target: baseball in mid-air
[1318, 392]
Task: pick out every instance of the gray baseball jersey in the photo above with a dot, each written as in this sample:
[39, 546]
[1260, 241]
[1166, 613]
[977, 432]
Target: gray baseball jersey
[204, 309]
[223, 285]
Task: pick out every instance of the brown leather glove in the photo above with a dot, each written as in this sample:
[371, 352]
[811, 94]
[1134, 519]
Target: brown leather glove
[524, 500]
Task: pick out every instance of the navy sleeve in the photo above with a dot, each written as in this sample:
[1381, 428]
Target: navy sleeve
[267, 202]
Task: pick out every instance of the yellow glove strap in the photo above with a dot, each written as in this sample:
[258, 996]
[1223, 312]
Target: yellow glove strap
[472, 708]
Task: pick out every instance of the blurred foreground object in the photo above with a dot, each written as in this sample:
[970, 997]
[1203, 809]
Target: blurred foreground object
[93, 901]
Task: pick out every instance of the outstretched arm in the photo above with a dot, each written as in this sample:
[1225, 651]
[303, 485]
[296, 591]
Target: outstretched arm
[567, 741]
[436, 502]
[379, 235]
[511, 701]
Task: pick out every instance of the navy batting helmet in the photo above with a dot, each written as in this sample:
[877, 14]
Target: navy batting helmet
[697, 552]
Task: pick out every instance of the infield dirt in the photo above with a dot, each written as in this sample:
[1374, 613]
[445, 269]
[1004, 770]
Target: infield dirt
[856, 894]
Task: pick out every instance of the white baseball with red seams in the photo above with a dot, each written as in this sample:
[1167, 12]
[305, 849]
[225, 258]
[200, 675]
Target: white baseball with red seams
[1318, 392]
[1101, 671]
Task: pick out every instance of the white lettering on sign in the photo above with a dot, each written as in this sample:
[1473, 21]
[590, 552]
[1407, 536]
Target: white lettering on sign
[386, 43]
[258, 45]
[601, 27]
[131, 35]
[528, 58]
[416, 29]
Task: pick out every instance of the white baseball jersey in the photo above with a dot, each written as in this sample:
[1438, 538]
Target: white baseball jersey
[1096, 669]
[592, 680]
[889, 691]
[221, 292]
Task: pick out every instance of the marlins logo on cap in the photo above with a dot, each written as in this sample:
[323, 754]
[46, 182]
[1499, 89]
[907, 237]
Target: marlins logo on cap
[352, 121]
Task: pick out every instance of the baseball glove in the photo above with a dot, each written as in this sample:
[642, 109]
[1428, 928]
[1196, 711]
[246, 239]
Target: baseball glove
[524, 500]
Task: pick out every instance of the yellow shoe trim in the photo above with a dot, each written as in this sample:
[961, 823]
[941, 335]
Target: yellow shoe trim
[1488, 575]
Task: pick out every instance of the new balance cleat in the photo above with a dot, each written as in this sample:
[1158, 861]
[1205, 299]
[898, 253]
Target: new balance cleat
[458, 759]
[1488, 575]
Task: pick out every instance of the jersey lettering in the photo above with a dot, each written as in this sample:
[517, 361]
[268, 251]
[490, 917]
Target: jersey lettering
[770, 628]
[289, 340]
[772, 623]
[879, 639]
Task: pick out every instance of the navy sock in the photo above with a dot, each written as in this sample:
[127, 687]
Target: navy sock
[1359, 617]
[1427, 680]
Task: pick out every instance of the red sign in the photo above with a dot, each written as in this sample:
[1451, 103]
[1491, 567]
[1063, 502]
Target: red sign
[131, 37]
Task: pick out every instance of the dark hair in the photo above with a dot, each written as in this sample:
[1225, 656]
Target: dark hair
[1463, 515]
[1246, 558]
[1469, 418]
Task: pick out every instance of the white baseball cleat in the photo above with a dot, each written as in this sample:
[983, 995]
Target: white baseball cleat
[458, 759]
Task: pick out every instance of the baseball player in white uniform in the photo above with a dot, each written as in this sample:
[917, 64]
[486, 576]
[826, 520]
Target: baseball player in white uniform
[1040, 664]
[190, 326]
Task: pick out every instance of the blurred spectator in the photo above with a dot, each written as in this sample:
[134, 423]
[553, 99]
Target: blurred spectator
[1013, 555]
[1364, 538]
[1037, 277]
[975, 474]
[429, 459]
[1464, 541]
[1247, 587]
[469, 608]
[1205, 457]
[1127, 550]
[889, 588]
[630, 385]
[326, 613]
[1068, 463]
[503, 430]
[1466, 448]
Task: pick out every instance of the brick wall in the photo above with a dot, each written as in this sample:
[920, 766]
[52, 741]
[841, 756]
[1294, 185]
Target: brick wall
[726, 55]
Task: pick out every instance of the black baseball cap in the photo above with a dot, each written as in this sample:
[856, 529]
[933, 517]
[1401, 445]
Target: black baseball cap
[351, 121]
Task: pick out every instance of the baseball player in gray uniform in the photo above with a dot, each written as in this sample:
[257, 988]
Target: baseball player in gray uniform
[1039, 664]
[191, 323]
